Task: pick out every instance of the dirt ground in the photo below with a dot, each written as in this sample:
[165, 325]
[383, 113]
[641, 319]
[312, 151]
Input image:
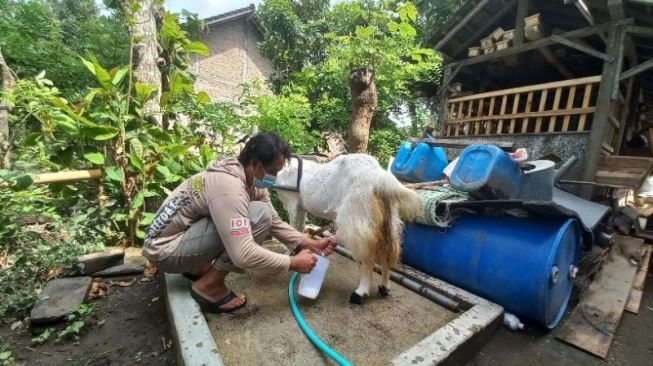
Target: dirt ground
[266, 333]
[632, 346]
[127, 327]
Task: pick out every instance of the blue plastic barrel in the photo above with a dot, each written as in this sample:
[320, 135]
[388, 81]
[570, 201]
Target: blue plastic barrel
[419, 162]
[523, 264]
[487, 172]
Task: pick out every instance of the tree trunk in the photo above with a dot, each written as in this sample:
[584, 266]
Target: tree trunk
[364, 101]
[146, 55]
[6, 83]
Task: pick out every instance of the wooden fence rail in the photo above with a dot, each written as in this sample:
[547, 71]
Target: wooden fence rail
[561, 106]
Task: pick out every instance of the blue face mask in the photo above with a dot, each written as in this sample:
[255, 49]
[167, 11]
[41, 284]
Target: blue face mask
[268, 181]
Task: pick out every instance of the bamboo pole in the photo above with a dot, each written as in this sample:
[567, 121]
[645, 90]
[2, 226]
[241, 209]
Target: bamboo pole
[61, 177]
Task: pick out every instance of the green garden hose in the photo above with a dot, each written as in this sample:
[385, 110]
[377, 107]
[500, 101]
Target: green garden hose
[317, 342]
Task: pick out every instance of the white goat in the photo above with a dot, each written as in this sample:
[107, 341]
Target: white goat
[367, 204]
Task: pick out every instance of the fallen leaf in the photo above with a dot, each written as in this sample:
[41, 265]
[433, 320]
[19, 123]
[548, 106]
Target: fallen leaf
[155, 299]
[98, 289]
[150, 269]
[145, 279]
[124, 283]
[16, 325]
[167, 343]
[53, 273]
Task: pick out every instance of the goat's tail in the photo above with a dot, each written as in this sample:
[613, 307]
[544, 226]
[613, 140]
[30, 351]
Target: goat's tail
[392, 204]
[385, 243]
[406, 200]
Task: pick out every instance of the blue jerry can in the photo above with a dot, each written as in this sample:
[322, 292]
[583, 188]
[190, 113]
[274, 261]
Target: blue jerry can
[419, 162]
[487, 172]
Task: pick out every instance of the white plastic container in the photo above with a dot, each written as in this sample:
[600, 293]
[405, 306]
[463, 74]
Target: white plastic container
[310, 283]
[512, 322]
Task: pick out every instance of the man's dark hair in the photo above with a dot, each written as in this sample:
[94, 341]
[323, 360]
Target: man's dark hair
[265, 147]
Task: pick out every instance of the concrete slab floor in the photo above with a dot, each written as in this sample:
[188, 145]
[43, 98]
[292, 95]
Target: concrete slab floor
[266, 333]
[632, 345]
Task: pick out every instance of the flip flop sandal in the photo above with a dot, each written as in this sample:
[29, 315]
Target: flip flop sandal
[214, 307]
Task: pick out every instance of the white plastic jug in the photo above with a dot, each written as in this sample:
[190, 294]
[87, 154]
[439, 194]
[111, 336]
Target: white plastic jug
[310, 283]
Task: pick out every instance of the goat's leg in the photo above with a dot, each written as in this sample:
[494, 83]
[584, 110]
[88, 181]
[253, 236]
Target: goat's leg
[364, 285]
[297, 218]
[384, 289]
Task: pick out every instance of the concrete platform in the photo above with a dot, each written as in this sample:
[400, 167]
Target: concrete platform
[404, 329]
[266, 333]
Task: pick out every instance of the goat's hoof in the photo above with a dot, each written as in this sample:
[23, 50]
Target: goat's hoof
[384, 291]
[356, 299]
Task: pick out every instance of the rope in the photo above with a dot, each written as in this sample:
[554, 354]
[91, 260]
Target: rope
[317, 342]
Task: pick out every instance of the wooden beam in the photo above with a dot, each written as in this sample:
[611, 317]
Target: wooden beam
[550, 58]
[461, 24]
[579, 33]
[584, 10]
[603, 110]
[522, 12]
[636, 70]
[630, 105]
[571, 44]
[620, 64]
[483, 30]
[616, 9]
[640, 31]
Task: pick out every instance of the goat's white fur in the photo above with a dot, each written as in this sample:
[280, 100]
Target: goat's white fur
[344, 191]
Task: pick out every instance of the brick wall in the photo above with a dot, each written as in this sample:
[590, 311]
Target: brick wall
[233, 59]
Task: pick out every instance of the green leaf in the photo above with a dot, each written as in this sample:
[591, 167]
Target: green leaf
[147, 218]
[365, 32]
[138, 201]
[197, 47]
[120, 217]
[5, 356]
[136, 147]
[407, 30]
[63, 121]
[203, 98]
[151, 193]
[136, 162]
[89, 65]
[102, 133]
[163, 170]
[140, 234]
[159, 134]
[115, 173]
[95, 158]
[144, 91]
[119, 75]
[177, 150]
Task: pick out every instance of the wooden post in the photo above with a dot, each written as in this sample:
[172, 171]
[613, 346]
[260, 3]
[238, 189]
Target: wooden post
[631, 108]
[522, 12]
[600, 121]
[6, 83]
[442, 109]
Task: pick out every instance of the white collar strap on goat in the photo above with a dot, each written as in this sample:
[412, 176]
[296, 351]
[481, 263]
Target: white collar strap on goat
[299, 177]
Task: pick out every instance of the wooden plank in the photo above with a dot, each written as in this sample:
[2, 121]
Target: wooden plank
[477, 125]
[582, 48]
[616, 8]
[463, 143]
[530, 88]
[538, 121]
[570, 105]
[484, 28]
[488, 128]
[515, 108]
[556, 106]
[614, 121]
[586, 102]
[553, 60]
[529, 103]
[635, 296]
[469, 16]
[504, 103]
[607, 148]
[522, 12]
[646, 65]
[550, 113]
[578, 33]
[592, 324]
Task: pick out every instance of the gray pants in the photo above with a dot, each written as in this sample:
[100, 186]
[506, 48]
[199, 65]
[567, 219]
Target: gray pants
[201, 245]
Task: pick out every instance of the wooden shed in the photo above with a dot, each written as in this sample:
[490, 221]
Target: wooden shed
[569, 77]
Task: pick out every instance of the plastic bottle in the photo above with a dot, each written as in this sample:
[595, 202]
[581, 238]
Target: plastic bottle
[512, 322]
[310, 283]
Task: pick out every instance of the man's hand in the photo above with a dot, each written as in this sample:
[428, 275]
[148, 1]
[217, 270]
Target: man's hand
[303, 262]
[326, 246]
